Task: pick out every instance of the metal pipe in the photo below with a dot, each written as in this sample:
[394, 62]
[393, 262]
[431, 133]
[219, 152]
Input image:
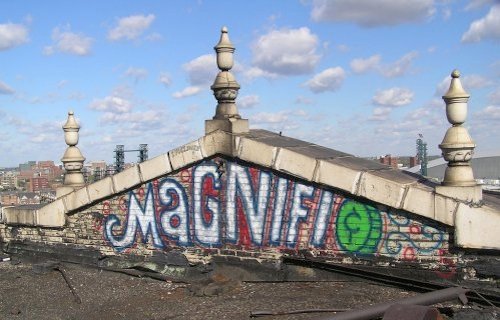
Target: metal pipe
[424, 299]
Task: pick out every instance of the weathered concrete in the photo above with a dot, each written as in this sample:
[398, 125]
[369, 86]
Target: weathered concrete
[477, 230]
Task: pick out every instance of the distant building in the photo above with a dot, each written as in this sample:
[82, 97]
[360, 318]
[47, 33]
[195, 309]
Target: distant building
[9, 199]
[9, 180]
[29, 198]
[414, 162]
[39, 184]
[389, 160]
[28, 166]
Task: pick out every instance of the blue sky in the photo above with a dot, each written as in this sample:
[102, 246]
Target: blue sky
[360, 76]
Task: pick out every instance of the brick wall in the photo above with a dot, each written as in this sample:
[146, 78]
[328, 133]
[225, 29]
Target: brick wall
[227, 208]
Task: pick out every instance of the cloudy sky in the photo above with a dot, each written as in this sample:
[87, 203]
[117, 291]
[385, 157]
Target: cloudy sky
[360, 76]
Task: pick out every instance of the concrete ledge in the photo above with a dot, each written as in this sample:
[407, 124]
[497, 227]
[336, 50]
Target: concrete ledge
[185, 155]
[419, 199]
[51, 215]
[256, 152]
[126, 179]
[376, 187]
[155, 167]
[76, 199]
[101, 189]
[477, 227]
[444, 209]
[295, 163]
[331, 174]
[15, 215]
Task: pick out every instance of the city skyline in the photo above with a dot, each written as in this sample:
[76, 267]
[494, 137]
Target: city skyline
[363, 77]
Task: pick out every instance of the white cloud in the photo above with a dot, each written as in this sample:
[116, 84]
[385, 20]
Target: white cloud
[484, 28]
[135, 119]
[201, 70]
[446, 14]
[165, 79]
[475, 4]
[489, 113]
[136, 73]
[187, 92]
[393, 97]
[154, 37]
[184, 117]
[494, 96]
[113, 103]
[472, 81]
[399, 67]
[45, 137]
[286, 51]
[363, 65]
[343, 48]
[443, 86]
[12, 35]
[5, 89]
[328, 80]
[419, 113]
[372, 13]
[76, 96]
[269, 117]
[304, 100]
[69, 42]
[255, 72]
[380, 113]
[248, 102]
[131, 27]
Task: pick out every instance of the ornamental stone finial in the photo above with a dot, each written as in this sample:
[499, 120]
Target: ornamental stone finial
[225, 88]
[457, 145]
[224, 50]
[71, 129]
[72, 158]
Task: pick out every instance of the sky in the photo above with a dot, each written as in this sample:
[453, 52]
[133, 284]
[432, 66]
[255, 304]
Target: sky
[360, 76]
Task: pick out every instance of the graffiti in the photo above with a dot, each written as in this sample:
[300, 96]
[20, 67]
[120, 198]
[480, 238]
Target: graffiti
[410, 239]
[359, 227]
[221, 203]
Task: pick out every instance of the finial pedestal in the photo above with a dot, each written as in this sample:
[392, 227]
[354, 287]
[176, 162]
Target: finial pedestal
[458, 147]
[72, 158]
[225, 90]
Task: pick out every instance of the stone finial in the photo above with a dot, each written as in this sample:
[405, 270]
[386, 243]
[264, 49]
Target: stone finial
[71, 129]
[225, 50]
[72, 158]
[457, 145]
[225, 88]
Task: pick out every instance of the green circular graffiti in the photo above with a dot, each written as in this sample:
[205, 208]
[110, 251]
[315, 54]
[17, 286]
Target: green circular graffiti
[358, 227]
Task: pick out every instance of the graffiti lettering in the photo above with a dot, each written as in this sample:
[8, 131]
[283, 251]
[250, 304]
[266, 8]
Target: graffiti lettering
[243, 206]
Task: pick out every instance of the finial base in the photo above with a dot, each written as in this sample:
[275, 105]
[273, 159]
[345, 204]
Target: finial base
[472, 194]
[226, 110]
[459, 174]
[231, 125]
